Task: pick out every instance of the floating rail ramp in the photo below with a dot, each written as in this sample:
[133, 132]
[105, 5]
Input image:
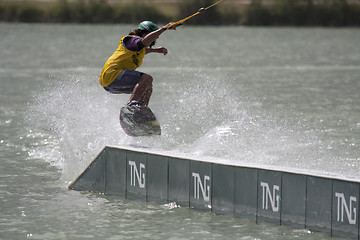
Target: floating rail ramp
[316, 202]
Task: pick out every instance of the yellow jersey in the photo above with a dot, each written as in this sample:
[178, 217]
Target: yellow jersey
[122, 59]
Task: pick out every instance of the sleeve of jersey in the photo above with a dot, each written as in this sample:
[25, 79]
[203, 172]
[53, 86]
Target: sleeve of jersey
[134, 44]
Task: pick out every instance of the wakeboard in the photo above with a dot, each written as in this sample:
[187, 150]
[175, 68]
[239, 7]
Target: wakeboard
[138, 120]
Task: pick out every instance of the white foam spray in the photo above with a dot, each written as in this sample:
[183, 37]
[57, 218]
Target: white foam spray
[200, 113]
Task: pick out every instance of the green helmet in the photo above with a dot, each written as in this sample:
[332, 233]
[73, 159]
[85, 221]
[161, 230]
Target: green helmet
[148, 26]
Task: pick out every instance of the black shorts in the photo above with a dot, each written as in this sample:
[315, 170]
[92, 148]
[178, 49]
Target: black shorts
[125, 82]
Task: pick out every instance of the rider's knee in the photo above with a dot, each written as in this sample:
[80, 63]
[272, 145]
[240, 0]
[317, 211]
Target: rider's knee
[148, 79]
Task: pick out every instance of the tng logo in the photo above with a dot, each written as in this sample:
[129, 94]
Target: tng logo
[270, 196]
[135, 174]
[200, 186]
[343, 207]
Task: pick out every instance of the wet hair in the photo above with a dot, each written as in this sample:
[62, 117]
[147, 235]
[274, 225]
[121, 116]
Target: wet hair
[139, 33]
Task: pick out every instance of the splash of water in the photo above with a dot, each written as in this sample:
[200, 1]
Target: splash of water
[204, 117]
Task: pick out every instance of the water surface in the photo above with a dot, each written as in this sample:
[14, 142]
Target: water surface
[284, 97]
